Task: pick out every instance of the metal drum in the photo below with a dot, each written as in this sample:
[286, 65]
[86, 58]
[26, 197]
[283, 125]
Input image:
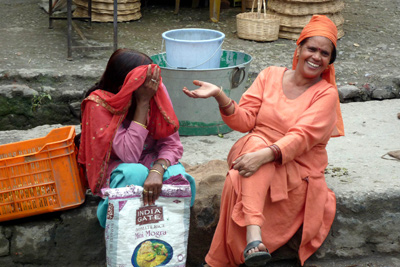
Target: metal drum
[201, 116]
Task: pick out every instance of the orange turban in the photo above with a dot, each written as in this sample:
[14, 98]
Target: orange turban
[321, 25]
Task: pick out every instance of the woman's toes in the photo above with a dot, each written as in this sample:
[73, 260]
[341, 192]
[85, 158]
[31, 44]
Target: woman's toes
[251, 251]
[261, 247]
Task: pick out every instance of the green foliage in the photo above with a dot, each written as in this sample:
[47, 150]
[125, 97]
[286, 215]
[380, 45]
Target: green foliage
[40, 99]
[337, 171]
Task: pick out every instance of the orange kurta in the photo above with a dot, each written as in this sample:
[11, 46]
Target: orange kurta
[279, 197]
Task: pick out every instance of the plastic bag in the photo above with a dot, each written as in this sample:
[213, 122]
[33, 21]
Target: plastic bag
[148, 236]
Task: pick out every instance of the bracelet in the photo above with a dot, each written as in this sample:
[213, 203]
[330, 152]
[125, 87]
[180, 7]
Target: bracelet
[166, 161]
[144, 126]
[153, 170]
[220, 91]
[165, 166]
[229, 102]
[277, 152]
[162, 165]
[227, 106]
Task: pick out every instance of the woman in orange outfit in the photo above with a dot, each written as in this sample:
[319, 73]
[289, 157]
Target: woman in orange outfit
[276, 181]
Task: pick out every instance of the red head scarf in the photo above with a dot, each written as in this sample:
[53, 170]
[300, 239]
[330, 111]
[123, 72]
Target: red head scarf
[102, 114]
[321, 25]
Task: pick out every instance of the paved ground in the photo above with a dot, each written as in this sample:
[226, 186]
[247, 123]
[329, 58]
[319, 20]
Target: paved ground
[368, 52]
[355, 166]
[358, 164]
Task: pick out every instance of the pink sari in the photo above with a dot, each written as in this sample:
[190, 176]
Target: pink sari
[102, 114]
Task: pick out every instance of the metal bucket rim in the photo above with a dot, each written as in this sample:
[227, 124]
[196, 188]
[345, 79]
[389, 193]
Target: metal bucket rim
[224, 68]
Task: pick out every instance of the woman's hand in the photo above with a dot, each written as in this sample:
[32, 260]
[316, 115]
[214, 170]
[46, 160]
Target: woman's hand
[149, 88]
[152, 188]
[206, 90]
[249, 163]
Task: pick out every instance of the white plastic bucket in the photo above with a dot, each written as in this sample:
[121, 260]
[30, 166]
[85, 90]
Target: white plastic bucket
[193, 48]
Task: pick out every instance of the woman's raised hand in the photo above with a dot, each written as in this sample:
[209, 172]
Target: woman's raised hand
[206, 90]
[149, 88]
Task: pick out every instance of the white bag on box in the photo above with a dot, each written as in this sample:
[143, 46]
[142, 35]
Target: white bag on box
[148, 236]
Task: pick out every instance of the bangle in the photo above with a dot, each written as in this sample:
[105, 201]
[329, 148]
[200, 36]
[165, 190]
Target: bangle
[220, 91]
[166, 161]
[227, 106]
[229, 102]
[144, 126]
[277, 152]
[153, 170]
[162, 165]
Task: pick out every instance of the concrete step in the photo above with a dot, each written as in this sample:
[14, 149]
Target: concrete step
[365, 179]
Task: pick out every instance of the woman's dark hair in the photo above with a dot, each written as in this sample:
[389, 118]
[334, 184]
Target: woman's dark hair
[333, 55]
[121, 62]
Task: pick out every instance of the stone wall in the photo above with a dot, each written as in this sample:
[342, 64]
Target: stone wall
[24, 107]
[364, 227]
[68, 238]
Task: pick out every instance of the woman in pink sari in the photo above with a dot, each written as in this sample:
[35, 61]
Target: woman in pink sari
[276, 183]
[130, 130]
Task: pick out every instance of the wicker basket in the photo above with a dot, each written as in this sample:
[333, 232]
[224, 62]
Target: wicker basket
[301, 21]
[257, 26]
[103, 10]
[101, 17]
[248, 3]
[293, 34]
[290, 29]
[301, 9]
[308, 1]
[99, 6]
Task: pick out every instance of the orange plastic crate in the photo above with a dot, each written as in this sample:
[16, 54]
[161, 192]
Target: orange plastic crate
[40, 175]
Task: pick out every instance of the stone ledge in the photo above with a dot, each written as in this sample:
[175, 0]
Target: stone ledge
[65, 102]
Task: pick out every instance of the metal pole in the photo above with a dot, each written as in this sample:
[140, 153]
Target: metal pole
[69, 29]
[90, 13]
[50, 14]
[115, 25]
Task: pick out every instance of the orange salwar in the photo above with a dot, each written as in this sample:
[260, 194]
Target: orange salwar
[279, 197]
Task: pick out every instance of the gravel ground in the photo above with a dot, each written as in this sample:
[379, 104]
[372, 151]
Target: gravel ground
[368, 52]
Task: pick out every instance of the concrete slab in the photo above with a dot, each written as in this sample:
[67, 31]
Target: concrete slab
[372, 129]
[358, 163]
